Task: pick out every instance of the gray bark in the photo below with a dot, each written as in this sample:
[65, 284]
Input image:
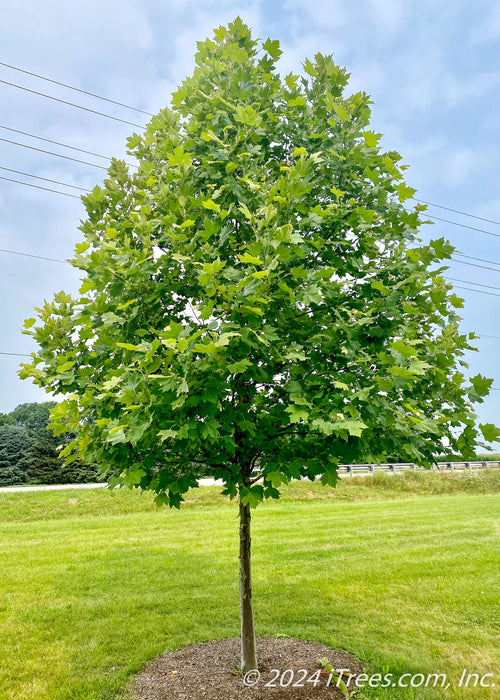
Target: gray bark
[248, 647]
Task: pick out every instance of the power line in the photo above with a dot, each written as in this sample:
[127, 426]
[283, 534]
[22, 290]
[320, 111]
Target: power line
[17, 354]
[133, 165]
[67, 262]
[58, 143]
[30, 255]
[484, 267]
[455, 223]
[51, 153]
[64, 184]
[476, 284]
[46, 179]
[495, 337]
[71, 87]
[471, 257]
[457, 211]
[150, 114]
[72, 104]
[480, 291]
[39, 187]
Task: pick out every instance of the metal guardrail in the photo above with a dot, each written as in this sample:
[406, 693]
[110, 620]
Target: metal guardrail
[353, 469]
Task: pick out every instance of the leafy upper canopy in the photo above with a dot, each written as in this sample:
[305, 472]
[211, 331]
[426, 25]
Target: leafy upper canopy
[255, 300]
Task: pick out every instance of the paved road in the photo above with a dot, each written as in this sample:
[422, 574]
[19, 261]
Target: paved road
[62, 487]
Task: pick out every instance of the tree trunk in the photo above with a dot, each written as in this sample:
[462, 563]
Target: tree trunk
[248, 648]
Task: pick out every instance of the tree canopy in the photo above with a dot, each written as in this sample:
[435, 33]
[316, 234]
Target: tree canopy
[30, 453]
[256, 292]
[256, 302]
[15, 442]
[32, 416]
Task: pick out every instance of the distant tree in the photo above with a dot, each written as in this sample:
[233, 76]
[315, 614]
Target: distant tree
[32, 416]
[14, 445]
[5, 419]
[45, 465]
[256, 303]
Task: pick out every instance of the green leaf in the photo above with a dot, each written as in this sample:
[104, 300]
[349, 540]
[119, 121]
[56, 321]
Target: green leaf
[490, 432]
[247, 115]
[225, 338]
[309, 68]
[297, 102]
[166, 434]
[117, 435]
[240, 366]
[481, 384]
[352, 427]
[252, 496]
[110, 384]
[297, 414]
[330, 477]
[247, 258]
[404, 191]
[179, 157]
[325, 427]
[272, 48]
[276, 479]
[405, 349]
[129, 346]
[80, 248]
[210, 204]
[371, 138]
[341, 111]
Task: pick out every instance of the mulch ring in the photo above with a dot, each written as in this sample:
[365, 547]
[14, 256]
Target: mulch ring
[208, 671]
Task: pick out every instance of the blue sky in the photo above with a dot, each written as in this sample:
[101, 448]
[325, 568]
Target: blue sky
[432, 70]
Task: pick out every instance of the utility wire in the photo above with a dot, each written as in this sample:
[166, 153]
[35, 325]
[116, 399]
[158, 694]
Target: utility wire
[484, 267]
[45, 179]
[455, 223]
[471, 257]
[133, 165]
[30, 255]
[51, 153]
[150, 114]
[17, 354]
[457, 211]
[67, 262]
[58, 143]
[72, 104]
[39, 187]
[476, 284]
[71, 87]
[491, 294]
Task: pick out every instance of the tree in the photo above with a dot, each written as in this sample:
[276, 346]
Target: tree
[5, 419]
[14, 444]
[32, 416]
[256, 302]
[38, 461]
[46, 467]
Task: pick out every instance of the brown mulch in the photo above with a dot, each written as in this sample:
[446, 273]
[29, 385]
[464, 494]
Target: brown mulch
[209, 672]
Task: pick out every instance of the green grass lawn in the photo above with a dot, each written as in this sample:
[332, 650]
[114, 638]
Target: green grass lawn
[94, 584]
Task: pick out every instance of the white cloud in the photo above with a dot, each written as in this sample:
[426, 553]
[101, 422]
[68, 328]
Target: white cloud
[387, 16]
[487, 28]
[462, 165]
